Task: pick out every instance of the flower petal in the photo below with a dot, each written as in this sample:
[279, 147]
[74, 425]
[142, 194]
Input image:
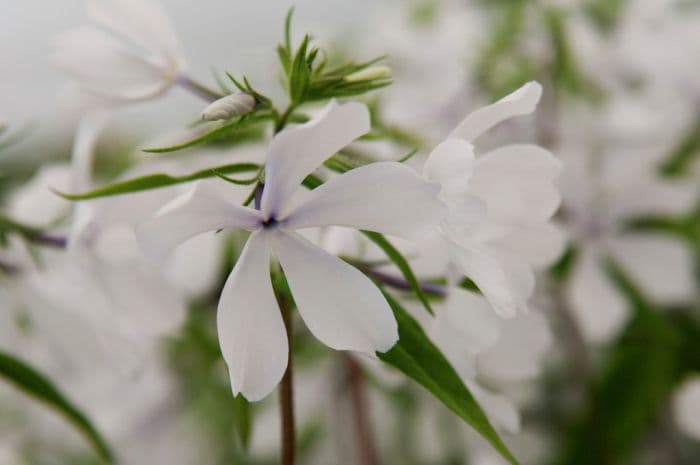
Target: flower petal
[520, 102]
[524, 160]
[451, 164]
[339, 304]
[297, 151]
[540, 245]
[200, 210]
[499, 408]
[686, 407]
[468, 318]
[86, 137]
[141, 296]
[520, 192]
[597, 306]
[144, 22]
[662, 266]
[519, 353]
[251, 331]
[105, 67]
[505, 282]
[386, 197]
[463, 327]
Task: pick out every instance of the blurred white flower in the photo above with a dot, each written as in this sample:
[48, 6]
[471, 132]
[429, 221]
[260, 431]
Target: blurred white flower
[428, 55]
[131, 52]
[340, 305]
[34, 204]
[657, 44]
[499, 204]
[605, 184]
[686, 407]
[490, 351]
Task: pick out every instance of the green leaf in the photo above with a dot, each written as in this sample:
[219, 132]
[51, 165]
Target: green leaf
[685, 153]
[605, 13]
[228, 129]
[300, 73]
[242, 417]
[637, 379]
[288, 29]
[409, 155]
[238, 182]
[312, 181]
[401, 263]
[7, 224]
[418, 358]
[155, 181]
[40, 387]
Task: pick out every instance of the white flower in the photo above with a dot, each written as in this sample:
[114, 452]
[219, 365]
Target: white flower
[602, 192]
[340, 305]
[34, 203]
[117, 291]
[131, 53]
[499, 204]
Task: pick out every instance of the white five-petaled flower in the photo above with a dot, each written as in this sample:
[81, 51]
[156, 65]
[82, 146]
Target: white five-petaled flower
[605, 188]
[339, 304]
[499, 204]
[131, 53]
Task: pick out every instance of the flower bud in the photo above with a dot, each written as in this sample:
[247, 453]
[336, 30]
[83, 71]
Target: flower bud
[229, 106]
[369, 74]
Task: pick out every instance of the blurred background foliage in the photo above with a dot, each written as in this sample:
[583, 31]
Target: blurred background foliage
[608, 405]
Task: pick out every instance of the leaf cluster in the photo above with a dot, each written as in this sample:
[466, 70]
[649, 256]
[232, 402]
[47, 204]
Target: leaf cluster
[308, 77]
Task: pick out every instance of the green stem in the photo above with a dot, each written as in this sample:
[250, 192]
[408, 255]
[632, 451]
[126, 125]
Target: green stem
[282, 121]
[197, 89]
[286, 394]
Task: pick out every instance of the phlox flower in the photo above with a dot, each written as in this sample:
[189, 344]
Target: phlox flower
[130, 53]
[499, 205]
[607, 183]
[339, 304]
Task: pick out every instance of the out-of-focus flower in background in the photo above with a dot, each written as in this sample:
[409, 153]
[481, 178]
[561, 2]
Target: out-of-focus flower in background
[131, 52]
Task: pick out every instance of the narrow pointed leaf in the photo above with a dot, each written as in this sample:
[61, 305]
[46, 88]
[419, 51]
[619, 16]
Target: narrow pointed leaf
[35, 384]
[242, 417]
[418, 358]
[401, 263]
[154, 181]
[228, 129]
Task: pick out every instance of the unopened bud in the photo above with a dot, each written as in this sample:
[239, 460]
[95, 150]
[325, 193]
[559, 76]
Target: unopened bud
[229, 106]
[369, 74]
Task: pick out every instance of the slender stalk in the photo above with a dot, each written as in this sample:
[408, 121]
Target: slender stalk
[282, 121]
[366, 448]
[9, 268]
[286, 394]
[48, 240]
[400, 283]
[572, 342]
[197, 89]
